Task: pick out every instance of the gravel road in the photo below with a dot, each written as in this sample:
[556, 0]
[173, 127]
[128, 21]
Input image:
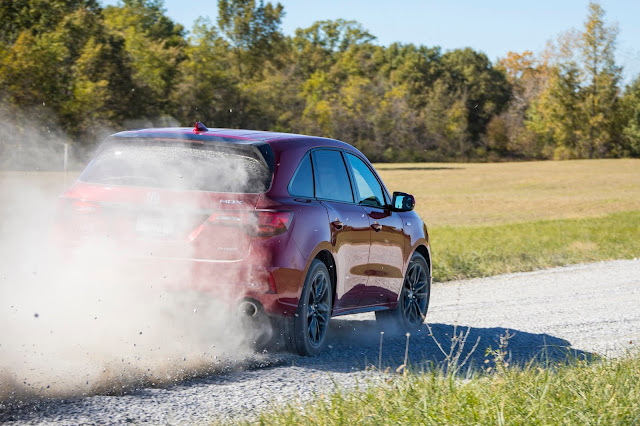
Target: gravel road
[583, 309]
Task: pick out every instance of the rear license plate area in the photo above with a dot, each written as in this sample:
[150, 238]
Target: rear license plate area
[148, 225]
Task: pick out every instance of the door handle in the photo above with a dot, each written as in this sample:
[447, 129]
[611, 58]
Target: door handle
[337, 224]
[376, 227]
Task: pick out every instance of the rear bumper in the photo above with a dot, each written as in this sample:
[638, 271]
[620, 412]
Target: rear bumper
[272, 271]
[229, 281]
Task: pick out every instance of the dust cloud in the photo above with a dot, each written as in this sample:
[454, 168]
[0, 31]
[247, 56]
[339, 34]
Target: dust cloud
[92, 321]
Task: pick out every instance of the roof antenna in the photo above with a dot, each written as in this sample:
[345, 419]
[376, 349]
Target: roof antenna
[200, 127]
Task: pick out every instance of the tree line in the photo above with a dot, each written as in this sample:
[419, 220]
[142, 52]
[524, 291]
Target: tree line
[78, 70]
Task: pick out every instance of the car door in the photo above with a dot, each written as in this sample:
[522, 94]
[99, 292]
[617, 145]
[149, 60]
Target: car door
[386, 255]
[349, 224]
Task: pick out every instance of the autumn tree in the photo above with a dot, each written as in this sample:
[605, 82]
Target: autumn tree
[506, 133]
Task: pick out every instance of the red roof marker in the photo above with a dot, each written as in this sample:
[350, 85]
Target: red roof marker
[200, 127]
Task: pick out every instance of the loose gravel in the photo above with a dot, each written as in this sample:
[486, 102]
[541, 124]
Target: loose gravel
[579, 310]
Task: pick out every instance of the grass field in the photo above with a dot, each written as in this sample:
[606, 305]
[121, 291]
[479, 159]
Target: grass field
[480, 251]
[487, 219]
[498, 193]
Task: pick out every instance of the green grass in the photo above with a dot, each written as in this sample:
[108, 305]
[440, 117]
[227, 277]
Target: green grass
[577, 392]
[479, 251]
[458, 194]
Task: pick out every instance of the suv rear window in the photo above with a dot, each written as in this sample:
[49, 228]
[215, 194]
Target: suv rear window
[179, 166]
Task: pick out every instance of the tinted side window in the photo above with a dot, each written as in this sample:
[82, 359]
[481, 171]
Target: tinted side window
[331, 178]
[370, 193]
[302, 182]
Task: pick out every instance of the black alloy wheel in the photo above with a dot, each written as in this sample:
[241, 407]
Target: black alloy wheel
[415, 291]
[413, 301]
[305, 333]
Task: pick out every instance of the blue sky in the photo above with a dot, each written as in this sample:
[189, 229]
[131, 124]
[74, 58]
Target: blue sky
[494, 27]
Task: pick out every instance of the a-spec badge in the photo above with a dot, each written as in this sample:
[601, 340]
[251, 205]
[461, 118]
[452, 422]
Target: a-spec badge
[231, 202]
[153, 198]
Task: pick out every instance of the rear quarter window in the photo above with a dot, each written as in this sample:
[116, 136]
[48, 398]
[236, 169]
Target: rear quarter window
[302, 182]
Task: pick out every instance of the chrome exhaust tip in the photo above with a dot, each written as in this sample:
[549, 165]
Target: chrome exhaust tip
[248, 308]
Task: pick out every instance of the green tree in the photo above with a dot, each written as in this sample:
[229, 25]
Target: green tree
[446, 120]
[555, 115]
[601, 76]
[485, 89]
[102, 88]
[253, 32]
[37, 16]
[208, 89]
[631, 119]
[577, 114]
[155, 47]
[416, 67]
[319, 46]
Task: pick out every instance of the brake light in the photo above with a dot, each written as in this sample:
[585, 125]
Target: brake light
[84, 207]
[259, 223]
[67, 207]
[270, 223]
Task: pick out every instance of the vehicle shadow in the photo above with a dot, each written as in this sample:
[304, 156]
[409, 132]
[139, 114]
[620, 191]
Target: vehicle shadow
[355, 344]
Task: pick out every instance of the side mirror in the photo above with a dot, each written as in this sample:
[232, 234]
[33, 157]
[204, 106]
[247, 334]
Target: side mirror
[402, 202]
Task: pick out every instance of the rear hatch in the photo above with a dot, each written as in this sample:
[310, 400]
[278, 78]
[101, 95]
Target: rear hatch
[167, 198]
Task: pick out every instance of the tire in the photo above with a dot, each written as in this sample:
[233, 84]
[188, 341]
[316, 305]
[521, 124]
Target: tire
[413, 301]
[305, 333]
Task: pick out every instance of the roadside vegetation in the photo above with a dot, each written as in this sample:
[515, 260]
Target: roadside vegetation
[480, 251]
[575, 392]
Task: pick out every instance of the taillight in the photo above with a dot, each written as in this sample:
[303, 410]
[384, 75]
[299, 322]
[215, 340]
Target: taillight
[69, 208]
[270, 223]
[84, 207]
[259, 223]
[78, 219]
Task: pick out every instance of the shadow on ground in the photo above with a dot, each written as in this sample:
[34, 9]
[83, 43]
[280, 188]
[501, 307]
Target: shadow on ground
[355, 344]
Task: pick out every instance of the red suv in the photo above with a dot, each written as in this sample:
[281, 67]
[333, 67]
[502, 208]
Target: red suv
[292, 229]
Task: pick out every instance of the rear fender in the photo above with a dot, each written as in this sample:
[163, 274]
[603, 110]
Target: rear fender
[290, 283]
